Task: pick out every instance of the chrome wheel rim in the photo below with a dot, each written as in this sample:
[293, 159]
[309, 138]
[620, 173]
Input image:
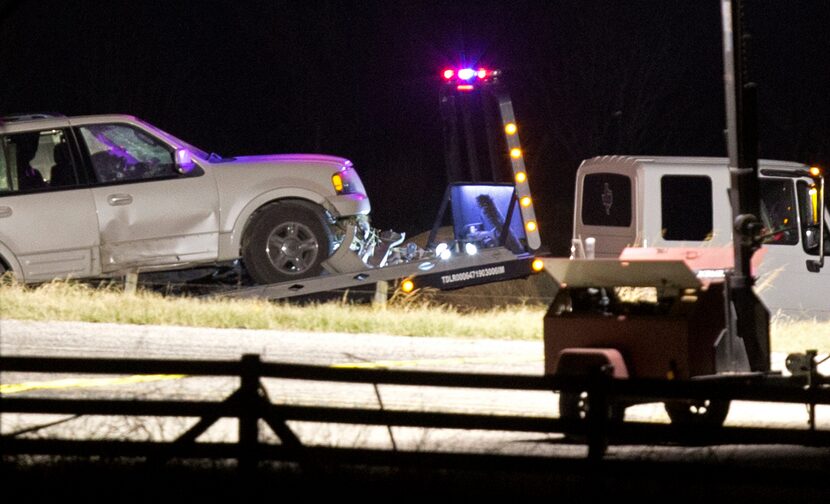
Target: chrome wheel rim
[292, 248]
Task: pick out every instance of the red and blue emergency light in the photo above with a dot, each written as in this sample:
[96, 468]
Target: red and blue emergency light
[465, 79]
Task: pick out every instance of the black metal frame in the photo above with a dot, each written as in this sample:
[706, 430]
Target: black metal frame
[447, 198]
[249, 403]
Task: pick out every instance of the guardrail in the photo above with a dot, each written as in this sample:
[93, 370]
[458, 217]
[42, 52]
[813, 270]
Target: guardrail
[250, 404]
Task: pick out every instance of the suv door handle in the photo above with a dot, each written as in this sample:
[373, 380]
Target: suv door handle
[5, 211]
[119, 199]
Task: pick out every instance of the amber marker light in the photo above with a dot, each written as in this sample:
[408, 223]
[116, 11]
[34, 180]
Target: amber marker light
[515, 153]
[525, 202]
[521, 177]
[815, 171]
[537, 265]
[530, 226]
[337, 182]
[510, 128]
[407, 285]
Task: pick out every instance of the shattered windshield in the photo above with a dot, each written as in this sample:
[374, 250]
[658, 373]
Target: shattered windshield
[199, 153]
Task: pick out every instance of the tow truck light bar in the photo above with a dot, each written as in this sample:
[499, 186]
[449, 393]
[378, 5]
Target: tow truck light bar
[464, 78]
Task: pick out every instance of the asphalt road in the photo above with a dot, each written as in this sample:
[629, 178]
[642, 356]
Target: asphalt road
[77, 339]
[357, 350]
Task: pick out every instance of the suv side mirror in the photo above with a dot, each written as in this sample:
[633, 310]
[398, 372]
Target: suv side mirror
[184, 161]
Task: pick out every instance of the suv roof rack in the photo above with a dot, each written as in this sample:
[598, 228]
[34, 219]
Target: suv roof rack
[30, 116]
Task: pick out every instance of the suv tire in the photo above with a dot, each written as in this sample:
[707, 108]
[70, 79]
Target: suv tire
[286, 241]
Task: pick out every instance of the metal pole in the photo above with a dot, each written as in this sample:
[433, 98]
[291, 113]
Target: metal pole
[751, 317]
[452, 152]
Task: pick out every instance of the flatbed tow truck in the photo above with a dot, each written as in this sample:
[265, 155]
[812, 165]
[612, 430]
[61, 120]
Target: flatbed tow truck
[495, 232]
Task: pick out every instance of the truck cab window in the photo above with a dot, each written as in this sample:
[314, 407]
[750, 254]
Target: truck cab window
[686, 207]
[778, 213]
[606, 200]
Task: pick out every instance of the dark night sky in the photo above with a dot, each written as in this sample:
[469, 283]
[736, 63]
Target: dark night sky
[360, 79]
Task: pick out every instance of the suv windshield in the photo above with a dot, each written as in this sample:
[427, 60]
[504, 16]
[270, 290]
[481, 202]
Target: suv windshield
[199, 153]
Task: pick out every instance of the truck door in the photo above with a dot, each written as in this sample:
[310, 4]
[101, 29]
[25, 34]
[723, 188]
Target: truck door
[605, 212]
[788, 212]
[149, 213]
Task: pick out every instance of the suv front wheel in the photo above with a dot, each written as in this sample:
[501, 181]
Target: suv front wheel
[286, 241]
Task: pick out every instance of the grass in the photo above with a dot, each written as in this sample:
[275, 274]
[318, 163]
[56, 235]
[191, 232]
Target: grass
[799, 335]
[413, 316]
[80, 302]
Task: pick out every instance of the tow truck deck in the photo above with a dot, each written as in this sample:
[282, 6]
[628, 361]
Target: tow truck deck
[495, 233]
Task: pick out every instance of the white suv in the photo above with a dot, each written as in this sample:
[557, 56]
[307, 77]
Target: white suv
[104, 195]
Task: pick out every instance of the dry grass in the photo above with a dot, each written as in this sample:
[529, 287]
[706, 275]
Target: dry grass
[507, 310]
[403, 316]
[799, 335]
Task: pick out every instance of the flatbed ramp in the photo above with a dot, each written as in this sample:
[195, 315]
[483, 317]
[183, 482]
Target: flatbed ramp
[488, 265]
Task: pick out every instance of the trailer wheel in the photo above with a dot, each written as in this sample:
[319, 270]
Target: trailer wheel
[574, 406]
[696, 412]
[286, 241]
[586, 362]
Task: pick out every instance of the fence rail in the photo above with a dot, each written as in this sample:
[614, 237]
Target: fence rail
[250, 404]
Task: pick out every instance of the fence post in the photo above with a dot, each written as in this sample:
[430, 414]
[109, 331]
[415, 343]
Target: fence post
[249, 412]
[131, 282]
[381, 294]
[598, 411]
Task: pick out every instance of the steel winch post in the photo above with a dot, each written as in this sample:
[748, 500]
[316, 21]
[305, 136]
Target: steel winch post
[452, 149]
[439, 219]
[473, 172]
[505, 229]
[492, 131]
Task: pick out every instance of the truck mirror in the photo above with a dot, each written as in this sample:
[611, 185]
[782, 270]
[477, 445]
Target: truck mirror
[815, 265]
[811, 238]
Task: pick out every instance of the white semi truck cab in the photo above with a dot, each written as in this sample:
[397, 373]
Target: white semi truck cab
[666, 203]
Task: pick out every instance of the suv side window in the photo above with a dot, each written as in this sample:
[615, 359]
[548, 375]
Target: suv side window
[36, 161]
[123, 153]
